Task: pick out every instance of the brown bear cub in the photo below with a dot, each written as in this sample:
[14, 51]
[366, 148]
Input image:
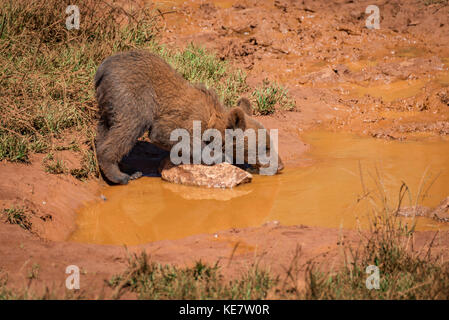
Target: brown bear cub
[137, 92]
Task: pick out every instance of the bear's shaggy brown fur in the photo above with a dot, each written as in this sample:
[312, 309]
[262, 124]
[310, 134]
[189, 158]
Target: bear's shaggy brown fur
[137, 92]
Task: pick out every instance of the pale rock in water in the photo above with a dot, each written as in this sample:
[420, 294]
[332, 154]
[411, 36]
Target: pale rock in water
[222, 175]
[440, 213]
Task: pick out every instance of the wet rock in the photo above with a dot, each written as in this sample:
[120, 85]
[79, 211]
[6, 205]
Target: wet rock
[418, 211]
[441, 212]
[223, 175]
[444, 96]
[273, 223]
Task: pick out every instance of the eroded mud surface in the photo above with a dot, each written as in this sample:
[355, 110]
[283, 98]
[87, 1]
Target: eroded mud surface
[389, 83]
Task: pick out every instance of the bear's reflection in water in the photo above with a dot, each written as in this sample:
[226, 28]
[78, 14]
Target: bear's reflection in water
[323, 194]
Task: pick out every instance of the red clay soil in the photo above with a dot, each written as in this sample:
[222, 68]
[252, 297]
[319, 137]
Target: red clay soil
[322, 52]
[310, 47]
[271, 246]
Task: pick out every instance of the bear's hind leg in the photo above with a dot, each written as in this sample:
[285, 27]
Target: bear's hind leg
[112, 145]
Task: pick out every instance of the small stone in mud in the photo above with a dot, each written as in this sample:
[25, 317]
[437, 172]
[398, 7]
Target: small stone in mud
[418, 211]
[103, 197]
[274, 223]
[222, 175]
[440, 213]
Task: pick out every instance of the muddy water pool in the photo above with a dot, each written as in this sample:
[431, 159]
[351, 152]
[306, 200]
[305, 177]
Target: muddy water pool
[322, 194]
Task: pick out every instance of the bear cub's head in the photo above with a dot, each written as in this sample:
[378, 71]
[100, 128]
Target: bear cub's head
[259, 149]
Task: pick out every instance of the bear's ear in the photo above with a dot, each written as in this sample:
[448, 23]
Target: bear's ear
[245, 105]
[236, 119]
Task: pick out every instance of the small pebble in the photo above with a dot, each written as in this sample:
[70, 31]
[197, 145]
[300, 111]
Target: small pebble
[103, 197]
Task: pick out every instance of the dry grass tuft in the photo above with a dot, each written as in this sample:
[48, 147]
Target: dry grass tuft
[47, 70]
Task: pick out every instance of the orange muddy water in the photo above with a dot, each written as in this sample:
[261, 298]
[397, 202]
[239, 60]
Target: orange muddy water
[322, 194]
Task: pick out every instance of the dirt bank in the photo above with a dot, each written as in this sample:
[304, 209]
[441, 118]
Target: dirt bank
[389, 83]
[271, 246]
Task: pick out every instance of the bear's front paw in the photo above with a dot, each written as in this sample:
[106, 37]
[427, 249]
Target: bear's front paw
[123, 179]
[135, 175]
